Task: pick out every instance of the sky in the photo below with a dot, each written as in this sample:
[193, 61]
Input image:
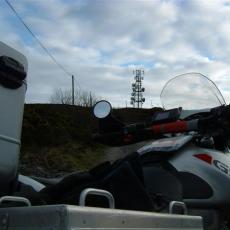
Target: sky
[101, 42]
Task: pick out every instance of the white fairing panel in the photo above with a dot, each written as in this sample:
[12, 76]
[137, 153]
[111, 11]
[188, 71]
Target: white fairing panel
[12, 106]
[215, 171]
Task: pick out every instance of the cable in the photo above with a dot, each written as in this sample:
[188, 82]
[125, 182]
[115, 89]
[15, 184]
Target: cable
[35, 37]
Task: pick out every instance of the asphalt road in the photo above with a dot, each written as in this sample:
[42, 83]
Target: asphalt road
[114, 153]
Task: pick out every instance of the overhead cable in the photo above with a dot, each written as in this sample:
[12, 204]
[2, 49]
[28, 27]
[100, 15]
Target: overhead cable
[36, 38]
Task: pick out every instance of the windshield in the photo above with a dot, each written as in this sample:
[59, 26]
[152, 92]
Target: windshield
[191, 91]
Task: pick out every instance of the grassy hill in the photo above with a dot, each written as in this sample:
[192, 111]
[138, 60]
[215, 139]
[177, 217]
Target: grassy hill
[57, 138]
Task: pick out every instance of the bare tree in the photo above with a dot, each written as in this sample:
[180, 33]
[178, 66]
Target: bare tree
[81, 97]
[61, 97]
[87, 99]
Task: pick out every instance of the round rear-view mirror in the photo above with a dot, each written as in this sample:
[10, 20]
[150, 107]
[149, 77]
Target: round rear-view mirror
[102, 109]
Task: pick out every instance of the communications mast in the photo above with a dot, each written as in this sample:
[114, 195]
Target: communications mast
[137, 98]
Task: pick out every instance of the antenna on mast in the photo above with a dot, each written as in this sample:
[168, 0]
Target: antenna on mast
[137, 98]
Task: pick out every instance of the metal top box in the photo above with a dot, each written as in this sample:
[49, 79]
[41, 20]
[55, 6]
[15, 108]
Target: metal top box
[63, 217]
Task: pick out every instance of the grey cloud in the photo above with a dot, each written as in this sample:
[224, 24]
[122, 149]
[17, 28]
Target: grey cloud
[102, 41]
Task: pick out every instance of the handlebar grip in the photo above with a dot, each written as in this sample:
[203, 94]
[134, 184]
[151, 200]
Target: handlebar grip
[175, 127]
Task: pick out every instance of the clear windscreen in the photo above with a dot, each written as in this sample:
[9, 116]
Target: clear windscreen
[191, 91]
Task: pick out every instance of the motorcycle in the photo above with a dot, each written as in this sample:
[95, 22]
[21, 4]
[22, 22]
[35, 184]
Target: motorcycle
[189, 159]
[181, 172]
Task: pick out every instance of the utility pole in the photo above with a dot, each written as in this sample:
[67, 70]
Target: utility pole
[72, 90]
[90, 99]
[137, 98]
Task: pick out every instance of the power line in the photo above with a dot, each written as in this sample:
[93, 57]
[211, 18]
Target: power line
[39, 42]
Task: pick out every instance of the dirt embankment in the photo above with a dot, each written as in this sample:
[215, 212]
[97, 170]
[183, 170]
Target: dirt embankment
[56, 139]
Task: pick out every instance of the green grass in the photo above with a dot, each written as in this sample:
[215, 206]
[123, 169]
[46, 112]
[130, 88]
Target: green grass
[66, 158]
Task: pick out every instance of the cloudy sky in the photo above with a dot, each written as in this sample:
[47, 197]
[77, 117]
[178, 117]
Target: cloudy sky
[102, 41]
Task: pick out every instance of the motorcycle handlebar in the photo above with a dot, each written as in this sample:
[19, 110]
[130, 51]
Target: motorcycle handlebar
[138, 132]
[218, 119]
